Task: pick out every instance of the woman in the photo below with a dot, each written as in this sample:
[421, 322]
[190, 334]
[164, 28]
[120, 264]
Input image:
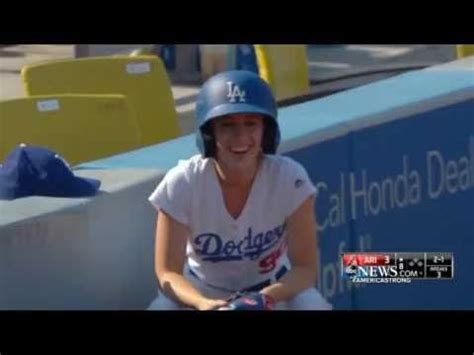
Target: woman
[237, 217]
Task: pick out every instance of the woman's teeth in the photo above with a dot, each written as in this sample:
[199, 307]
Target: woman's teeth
[239, 150]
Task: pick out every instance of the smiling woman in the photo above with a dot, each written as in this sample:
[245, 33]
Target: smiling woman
[238, 140]
[236, 219]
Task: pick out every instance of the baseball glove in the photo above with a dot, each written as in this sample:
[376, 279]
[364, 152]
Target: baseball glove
[251, 301]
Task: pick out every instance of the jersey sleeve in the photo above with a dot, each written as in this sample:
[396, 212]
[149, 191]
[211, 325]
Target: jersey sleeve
[173, 195]
[298, 186]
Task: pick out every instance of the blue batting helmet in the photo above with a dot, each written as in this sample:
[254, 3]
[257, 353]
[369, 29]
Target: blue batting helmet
[231, 92]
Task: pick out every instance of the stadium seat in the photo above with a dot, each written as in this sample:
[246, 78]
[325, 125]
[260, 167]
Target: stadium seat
[464, 50]
[284, 68]
[79, 127]
[142, 79]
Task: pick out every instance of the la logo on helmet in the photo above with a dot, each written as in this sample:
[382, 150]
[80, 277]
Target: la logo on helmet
[233, 91]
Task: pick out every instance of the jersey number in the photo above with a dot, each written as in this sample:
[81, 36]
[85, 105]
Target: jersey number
[268, 263]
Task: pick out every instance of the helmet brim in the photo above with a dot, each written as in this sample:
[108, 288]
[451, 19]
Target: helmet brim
[230, 109]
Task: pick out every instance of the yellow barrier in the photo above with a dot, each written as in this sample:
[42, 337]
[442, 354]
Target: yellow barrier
[142, 79]
[284, 68]
[464, 50]
[79, 127]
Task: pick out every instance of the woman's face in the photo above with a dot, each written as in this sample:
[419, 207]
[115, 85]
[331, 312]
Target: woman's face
[238, 139]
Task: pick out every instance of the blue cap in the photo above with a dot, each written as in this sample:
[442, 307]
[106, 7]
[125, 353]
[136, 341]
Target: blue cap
[30, 171]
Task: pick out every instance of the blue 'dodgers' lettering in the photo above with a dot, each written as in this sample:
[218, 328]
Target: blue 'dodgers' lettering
[211, 247]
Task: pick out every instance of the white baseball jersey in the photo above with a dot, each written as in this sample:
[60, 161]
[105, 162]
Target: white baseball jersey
[227, 253]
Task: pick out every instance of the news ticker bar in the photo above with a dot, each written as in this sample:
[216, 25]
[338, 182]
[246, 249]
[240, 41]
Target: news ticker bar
[413, 265]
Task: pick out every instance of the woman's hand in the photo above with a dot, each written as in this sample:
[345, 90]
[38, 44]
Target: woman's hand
[208, 304]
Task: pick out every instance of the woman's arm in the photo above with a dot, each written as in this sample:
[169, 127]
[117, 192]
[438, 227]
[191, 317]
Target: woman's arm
[170, 254]
[302, 251]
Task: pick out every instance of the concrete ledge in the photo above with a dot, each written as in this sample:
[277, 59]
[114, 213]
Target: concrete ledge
[94, 253]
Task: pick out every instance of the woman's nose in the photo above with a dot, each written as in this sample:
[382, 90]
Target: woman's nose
[239, 130]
